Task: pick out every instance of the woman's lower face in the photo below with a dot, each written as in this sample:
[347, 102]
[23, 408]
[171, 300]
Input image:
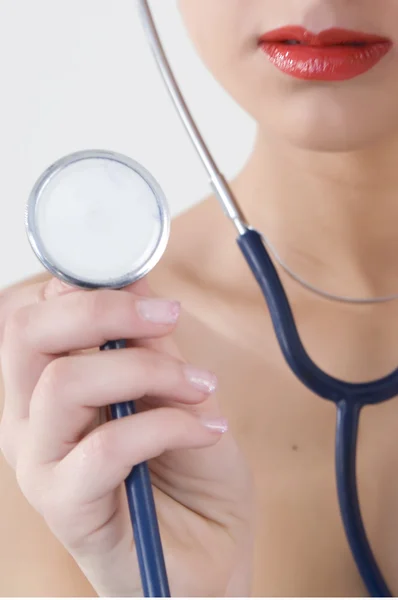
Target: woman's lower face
[354, 109]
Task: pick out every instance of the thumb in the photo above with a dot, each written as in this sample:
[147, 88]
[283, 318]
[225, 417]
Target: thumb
[43, 287]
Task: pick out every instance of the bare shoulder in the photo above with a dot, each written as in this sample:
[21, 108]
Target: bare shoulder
[190, 254]
[32, 562]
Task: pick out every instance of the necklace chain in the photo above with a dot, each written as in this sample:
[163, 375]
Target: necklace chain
[315, 290]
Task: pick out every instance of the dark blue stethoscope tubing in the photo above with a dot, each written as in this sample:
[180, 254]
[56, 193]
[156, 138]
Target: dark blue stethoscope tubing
[142, 511]
[305, 369]
[347, 489]
[348, 397]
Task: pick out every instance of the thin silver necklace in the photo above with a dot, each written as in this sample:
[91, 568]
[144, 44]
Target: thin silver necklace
[312, 288]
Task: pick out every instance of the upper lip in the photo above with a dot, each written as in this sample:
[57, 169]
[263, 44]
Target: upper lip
[329, 37]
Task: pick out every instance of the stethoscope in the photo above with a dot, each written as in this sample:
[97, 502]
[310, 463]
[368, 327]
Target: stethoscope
[99, 219]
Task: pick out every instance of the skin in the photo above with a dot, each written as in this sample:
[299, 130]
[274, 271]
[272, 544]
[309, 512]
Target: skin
[323, 152]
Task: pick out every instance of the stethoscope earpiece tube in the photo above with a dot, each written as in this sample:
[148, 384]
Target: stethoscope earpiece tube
[319, 382]
[348, 397]
[143, 513]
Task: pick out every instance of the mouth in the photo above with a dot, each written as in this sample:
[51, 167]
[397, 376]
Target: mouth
[331, 55]
[330, 37]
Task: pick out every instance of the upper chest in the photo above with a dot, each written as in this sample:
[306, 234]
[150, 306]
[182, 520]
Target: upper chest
[287, 435]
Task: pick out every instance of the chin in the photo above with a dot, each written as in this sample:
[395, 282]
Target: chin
[334, 119]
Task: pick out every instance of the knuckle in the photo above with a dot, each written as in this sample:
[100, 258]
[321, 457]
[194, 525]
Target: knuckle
[24, 480]
[143, 363]
[54, 378]
[99, 445]
[172, 429]
[104, 306]
[149, 369]
[167, 368]
[171, 418]
[154, 361]
[33, 487]
[3, 312]
[7, 307]
[8, 443]
[27, 481]
[99, 304]
[16, 324]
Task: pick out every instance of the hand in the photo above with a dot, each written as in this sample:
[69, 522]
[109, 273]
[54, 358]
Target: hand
[71, 468]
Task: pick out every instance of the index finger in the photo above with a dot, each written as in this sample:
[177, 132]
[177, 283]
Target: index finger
[43, 287]
[38, 331]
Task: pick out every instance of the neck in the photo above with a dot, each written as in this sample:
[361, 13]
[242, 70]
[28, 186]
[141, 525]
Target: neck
[333, 218]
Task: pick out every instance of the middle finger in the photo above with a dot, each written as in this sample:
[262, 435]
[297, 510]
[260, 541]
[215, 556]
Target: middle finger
[65, 401]
[35, 335]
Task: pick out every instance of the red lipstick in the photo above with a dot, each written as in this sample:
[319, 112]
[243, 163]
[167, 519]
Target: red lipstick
[332, 55]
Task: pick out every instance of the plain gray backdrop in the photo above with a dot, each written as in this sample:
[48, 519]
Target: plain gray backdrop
[77, 74]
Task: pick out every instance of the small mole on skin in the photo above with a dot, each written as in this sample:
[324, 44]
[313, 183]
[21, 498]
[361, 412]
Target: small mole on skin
[294, 447]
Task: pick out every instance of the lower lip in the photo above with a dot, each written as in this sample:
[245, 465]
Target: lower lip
[325, 63]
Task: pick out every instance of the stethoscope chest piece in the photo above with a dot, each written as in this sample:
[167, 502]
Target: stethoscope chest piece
[98, 219]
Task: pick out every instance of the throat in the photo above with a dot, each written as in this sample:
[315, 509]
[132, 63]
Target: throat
[330, 218]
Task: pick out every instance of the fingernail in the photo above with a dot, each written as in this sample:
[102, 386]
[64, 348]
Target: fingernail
[217, 425]
[204, 381]
[164, 312]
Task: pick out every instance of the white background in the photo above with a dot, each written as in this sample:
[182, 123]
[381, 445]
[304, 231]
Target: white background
[77, 74]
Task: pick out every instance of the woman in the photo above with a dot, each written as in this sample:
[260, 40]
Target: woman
[251, 510]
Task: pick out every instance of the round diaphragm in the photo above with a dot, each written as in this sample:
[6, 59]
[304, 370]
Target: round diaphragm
[98, 219]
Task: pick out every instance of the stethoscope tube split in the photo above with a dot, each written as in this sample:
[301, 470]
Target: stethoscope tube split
[349, 398]
[53, 209]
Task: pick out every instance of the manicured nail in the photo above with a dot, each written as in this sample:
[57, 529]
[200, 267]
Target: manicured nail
[217, 425]
[164, 312]
[201, 380]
